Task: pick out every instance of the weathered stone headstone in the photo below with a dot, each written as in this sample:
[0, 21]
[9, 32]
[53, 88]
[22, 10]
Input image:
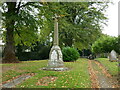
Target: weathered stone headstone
[55, 57]
[113, 56]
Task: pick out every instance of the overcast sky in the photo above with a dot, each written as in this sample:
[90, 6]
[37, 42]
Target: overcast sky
[112, 12]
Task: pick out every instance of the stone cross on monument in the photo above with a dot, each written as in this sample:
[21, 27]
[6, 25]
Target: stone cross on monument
[56, 30]
[55, 61]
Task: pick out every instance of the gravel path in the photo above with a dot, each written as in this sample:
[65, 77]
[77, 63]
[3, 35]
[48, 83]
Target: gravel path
[100, 76]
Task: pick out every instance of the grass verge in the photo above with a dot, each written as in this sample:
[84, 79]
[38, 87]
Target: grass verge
[112, 67]
[76, 77]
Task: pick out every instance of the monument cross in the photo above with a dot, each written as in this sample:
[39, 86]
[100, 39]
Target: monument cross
[56, 41]
[55, 61]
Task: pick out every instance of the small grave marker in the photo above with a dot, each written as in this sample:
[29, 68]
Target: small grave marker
[113, 56]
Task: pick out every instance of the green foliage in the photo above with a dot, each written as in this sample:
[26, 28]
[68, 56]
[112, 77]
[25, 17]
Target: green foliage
[26, 20]
[79, 24]
[39, 51]
[117, 44]
[24, 56]
[34, 17]
[104, 44]
[44, 52]
[103, 56]
[70, 54]
[81, 15]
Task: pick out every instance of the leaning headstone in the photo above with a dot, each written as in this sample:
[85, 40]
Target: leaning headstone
[113, 56]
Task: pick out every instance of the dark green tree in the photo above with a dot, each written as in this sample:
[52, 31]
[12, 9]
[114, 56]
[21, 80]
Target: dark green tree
[21, 24]
[106, 44]
[117, 44]
[79, 25]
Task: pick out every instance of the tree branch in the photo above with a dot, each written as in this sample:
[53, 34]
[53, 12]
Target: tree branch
[18, 8]
[28, 3]
[19, 36]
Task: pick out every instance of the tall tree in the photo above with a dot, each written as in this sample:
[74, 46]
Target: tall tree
[19, 20]
[80, 24]
[9, 53]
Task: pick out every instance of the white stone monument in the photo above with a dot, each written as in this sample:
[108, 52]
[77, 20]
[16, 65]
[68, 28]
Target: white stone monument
[55, 61]
[113, 56]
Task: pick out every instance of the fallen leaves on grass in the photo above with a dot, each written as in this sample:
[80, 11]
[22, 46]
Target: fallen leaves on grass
[31, 74]
[93, 76]
[104, 71]
[44, 81]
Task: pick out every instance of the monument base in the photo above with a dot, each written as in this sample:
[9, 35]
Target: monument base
[55, 57]
[55, 68]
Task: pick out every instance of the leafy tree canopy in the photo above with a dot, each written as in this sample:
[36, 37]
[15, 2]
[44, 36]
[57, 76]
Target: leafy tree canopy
[106, 44]
[80, 23]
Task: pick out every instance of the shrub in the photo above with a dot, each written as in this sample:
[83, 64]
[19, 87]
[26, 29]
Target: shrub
[44, 52]
[70, 54]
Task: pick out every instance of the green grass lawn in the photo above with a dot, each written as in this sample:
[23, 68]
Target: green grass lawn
[112, 67]
[76, 77]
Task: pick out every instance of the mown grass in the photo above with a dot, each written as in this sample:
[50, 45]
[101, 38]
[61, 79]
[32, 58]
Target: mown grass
[76, 77]
[112, 67]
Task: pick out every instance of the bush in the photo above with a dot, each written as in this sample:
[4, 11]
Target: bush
[38, 52]
[70, 54]
[44, 52]
[23, 56]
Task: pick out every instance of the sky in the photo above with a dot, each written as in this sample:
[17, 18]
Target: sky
[112, 12]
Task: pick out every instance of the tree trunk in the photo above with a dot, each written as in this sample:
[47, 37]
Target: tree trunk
[9, 51]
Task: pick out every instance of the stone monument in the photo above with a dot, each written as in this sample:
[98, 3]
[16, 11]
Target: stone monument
[55, 61]
[113, 56]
